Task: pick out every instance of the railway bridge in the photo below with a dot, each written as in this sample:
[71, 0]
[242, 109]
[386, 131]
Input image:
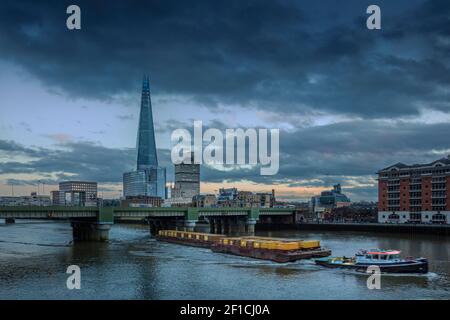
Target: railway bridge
[94, 223]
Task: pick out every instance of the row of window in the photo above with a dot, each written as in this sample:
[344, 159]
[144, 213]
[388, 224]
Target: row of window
[438, 186]
[415, 194]
[416, 216]
[434, 194]
[395, 174]
[435, 201]
[415, 208]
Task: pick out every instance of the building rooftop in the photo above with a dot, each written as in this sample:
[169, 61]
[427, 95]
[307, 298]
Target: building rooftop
[401, 165]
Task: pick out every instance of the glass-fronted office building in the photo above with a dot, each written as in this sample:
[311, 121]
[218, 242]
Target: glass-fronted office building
[149, 179]
[147, 182]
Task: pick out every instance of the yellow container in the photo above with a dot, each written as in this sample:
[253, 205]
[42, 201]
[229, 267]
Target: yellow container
[287, 246]
[308, 244]
[272, 245]
[256, 244]
[264, 245]
[243, 243]
[205, 238]
[225, 241]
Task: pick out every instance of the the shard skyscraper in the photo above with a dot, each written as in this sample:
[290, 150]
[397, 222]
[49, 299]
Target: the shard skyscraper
[146, 146]
[149, 179]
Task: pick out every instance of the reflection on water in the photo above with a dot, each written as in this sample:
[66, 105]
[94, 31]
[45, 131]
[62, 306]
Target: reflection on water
[34, 257]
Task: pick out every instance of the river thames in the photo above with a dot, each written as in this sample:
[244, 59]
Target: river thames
[34, 257]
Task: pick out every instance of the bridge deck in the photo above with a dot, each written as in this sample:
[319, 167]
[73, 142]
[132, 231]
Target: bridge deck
[52, 212]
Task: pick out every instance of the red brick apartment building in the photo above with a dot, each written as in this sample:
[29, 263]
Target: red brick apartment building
[418, 193]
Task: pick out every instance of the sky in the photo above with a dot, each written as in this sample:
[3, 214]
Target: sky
[348, 101]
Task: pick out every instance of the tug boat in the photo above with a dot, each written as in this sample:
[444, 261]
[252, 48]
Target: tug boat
[275, 249]
[389, 261]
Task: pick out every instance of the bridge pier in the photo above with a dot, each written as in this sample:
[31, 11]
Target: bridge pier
[189, 225]
[10, 220]
[154, 226]
[251, 226]
[90, 231]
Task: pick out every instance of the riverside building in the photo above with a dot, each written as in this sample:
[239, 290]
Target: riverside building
[416, 193]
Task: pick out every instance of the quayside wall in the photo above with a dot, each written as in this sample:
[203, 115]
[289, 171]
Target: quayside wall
[434, 229]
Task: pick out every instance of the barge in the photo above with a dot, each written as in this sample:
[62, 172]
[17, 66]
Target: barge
[388, 261]
[196, 239]
[274, 249]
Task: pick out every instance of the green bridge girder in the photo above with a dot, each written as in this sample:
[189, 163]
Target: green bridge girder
[106, 215]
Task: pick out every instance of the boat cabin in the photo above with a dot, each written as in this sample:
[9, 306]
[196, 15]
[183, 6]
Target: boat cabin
[378, 256]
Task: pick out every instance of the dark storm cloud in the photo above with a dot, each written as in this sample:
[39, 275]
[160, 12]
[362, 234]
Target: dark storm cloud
[84, 160]
[72, 160]
[290, 55]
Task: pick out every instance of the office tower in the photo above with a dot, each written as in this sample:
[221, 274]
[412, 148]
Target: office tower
[187, 179]
[77, 193]
[149, 179]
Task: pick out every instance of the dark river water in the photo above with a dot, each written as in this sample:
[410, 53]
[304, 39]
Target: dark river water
[34, 257]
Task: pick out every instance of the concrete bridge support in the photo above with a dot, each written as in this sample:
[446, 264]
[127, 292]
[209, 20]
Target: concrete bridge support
[154, 226]
[10, 220]
[90, 231]
[251, 226]
[189, 225]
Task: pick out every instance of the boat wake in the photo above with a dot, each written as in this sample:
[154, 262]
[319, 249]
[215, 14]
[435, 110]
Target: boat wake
[429, 275]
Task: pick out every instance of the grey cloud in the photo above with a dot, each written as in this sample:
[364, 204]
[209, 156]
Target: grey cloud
[349, 153]
[263, 54]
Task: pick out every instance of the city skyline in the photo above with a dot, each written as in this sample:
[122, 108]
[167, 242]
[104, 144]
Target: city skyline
[348, 101]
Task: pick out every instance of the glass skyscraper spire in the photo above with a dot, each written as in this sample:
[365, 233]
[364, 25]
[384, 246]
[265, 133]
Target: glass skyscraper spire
[146, 146]
[149, 179]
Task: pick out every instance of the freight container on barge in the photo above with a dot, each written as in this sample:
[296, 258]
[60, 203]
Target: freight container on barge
[274, 249]
[196, 239]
